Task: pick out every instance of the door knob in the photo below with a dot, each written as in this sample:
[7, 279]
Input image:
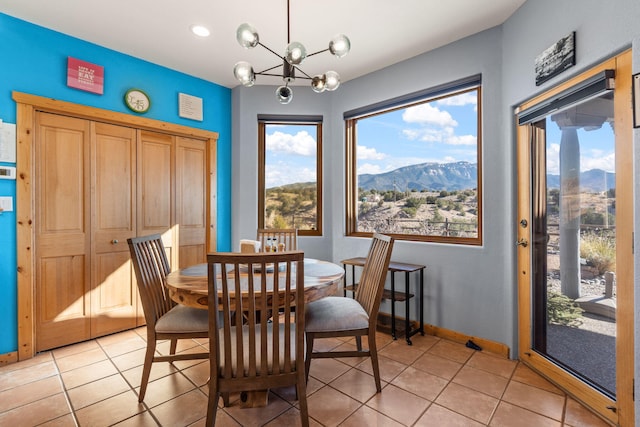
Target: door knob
[114, 242]
[522, 242]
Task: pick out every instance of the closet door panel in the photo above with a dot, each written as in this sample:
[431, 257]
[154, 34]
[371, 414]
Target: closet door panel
[191, 200]
[62, 230]
[156, 189]
[114, 297]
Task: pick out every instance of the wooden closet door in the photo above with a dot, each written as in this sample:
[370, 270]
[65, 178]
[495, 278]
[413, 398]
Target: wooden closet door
[191, 200]
[62, 230]
[156, 189]
[113, 204]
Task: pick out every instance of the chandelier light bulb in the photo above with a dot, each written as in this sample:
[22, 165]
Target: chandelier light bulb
[332, 80]
[340, 45]
[243, 71]
[247, 36]
[295, 53]
[284, 94]
[319, 83]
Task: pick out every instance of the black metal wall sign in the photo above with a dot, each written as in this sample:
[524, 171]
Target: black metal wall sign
[556, 58]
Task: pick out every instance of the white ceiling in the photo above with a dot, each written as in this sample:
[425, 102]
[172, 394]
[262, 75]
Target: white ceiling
[382, 32]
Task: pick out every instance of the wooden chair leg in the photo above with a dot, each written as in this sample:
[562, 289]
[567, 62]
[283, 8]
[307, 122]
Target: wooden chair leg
[359, 343]
[146, 369]
[373, 353]
[307, 359]
[212, 407]
[301, 391]
[174, 345]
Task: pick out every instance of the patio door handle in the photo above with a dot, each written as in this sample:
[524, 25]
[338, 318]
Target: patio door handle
[522, 242]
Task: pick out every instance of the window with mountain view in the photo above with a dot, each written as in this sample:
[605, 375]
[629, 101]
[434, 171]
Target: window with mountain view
[414, 170]
[290, 173]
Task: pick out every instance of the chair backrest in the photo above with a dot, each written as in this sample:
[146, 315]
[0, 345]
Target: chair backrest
[288, 236]
[265, 328]
[151, 266]
[374, 275]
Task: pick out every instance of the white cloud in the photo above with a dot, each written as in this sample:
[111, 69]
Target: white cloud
[468, 98]
[284, 173]
[445, 136]
[429, 115]
[553, 159]
[594, 159]
[411, 134]
[599, 160]
[462, 140]
[301, 144]
[366, 153]
[369, 168]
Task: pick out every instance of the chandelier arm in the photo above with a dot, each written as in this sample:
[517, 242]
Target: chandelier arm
[307, 75]
[272, 51]
[315, 53]
[262, 73]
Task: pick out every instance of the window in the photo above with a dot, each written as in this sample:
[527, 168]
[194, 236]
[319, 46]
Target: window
[414, 166]
[290, 173]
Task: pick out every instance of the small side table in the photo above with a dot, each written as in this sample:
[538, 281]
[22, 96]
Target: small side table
[394, 267]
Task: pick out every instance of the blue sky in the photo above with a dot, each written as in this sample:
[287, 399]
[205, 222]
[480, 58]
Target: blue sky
[597, 149]
[441, 131]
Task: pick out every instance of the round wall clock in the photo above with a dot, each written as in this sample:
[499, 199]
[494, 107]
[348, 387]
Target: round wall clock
[137, 101]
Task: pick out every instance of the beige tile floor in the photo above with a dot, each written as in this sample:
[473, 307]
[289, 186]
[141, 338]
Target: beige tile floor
[434, 382]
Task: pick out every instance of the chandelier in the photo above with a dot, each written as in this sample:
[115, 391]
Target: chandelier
[294, 55]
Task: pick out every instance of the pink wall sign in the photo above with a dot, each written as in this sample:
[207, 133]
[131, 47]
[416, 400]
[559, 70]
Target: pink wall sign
[85, 76]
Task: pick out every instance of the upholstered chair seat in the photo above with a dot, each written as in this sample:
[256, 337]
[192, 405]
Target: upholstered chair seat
[335, 314]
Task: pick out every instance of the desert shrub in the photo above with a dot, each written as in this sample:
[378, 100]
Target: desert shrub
[364, 208]
[413, 202]
[437, 216]
[411, 212]
[280, 222]
[562, 310]
[599, 252]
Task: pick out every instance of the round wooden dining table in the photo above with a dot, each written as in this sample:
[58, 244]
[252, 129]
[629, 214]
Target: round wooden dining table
[189, 286]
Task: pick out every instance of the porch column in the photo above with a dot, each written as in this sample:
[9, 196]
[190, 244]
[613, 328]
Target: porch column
[590, 115]
[570, 212]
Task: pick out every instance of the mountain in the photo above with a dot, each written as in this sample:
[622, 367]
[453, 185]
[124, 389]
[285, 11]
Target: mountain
[431, 176]
[592, 181]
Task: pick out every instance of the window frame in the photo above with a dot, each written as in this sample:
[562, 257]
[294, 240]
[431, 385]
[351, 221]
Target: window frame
[263, 122]
[403, 102]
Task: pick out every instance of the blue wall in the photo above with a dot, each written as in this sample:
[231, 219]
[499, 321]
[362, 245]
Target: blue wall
[34, 60]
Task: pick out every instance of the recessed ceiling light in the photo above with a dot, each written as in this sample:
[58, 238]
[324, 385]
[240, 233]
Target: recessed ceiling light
[200, 30]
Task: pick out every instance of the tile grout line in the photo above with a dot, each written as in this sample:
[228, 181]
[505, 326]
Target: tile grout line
[65, 390]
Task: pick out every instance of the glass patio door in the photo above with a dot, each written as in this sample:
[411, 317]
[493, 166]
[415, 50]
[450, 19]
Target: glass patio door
[573, 249]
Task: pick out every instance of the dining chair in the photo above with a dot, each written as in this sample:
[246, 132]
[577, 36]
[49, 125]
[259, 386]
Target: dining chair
[286, 236]
[265, 351]
[338, 316]
[166, 320]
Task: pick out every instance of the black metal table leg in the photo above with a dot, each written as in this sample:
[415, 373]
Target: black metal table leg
[421, 302]
[407, 326]
[393, 306]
